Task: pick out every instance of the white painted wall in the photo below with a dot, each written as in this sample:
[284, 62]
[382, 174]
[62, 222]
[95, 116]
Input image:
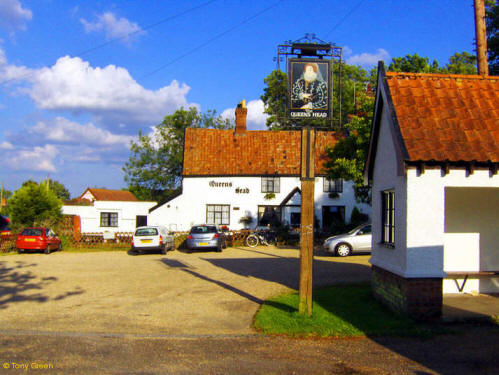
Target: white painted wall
[190, 207]
[127, 212]
[385, 177]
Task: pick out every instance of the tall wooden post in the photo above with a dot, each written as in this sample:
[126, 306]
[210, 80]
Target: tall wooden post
[307, 176]
[481, 38]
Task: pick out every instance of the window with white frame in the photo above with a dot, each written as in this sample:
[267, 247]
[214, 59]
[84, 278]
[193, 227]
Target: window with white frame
[333, 186]
[388, 217]
[108, 219]
[270, 185]
[218, 214]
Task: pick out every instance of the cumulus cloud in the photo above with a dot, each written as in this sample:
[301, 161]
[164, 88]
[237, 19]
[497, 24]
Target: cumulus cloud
[366, 60]
[11, 73]
[34, 159]
[13, 16]
[256, 117]
[62, 130]
[109, 93]
[6, 146]
[112, 27]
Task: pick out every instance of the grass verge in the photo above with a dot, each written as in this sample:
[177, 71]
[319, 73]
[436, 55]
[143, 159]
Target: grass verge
[339, 311]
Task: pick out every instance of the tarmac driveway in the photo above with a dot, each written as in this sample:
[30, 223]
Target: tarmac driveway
[177, 294]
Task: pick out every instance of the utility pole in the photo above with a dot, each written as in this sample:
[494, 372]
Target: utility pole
[481, 38]
[307, 176]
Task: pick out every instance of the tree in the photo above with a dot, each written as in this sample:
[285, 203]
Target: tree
[59, 190]
[492, 22]
[154, 168]
[347, 159]
[34, 204]
[461, 63]
[413, 64]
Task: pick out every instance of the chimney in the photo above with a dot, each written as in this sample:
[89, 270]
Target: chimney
[241, 112]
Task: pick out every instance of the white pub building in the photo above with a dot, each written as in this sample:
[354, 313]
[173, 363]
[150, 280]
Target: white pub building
[246, 178]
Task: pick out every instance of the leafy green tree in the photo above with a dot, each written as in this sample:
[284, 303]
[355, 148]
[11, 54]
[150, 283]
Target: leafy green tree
[34, 204]
[413, 64]
[59, 190]
[460, 63]
[347, 159]
[154, 168]
[492, 22]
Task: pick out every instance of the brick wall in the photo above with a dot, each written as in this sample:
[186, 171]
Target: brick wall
[417, 297]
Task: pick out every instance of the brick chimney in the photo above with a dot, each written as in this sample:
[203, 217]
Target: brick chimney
[241, 113]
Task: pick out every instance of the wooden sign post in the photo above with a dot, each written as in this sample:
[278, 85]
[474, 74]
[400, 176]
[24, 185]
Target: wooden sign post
[307, 176]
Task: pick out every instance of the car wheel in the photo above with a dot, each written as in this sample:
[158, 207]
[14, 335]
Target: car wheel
[219, 248]
[20, 251]
[164, 250]
[47, 250]
[343, 250]
[59, 248]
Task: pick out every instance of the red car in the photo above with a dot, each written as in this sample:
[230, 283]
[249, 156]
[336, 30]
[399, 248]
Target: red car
[38, 239]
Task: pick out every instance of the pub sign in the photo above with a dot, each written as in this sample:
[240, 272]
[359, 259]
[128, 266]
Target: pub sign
[309, 86]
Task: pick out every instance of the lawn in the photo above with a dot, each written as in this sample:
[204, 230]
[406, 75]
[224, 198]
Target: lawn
[339, 311]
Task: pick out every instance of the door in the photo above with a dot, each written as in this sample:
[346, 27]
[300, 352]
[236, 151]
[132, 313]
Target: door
[363, 239]
[140, 221]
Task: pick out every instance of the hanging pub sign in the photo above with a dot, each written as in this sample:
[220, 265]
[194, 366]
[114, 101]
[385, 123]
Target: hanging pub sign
[309, 86]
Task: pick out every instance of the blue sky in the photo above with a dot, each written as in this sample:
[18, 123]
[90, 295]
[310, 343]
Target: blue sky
[79, 79]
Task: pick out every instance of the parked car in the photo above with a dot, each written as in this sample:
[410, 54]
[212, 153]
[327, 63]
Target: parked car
[205, 236]
[357, 240]
[4, 226]
[38, 238]
[152, 238]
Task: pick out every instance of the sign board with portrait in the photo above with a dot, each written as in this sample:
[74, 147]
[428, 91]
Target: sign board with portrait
[309, 88]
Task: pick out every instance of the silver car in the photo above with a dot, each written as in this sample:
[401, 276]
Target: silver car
[357, 240]
[205, 236]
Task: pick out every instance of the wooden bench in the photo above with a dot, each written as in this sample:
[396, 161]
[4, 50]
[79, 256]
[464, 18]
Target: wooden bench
[467, 274]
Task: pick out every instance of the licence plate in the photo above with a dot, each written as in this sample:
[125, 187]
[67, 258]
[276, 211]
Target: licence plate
[145, 241]
[203, 243]
[29, 239]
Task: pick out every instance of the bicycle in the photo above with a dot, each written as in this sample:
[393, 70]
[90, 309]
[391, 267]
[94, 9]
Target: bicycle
[266, 238]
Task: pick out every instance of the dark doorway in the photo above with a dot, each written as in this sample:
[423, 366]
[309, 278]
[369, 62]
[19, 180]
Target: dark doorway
[332, 215]
[140, 221]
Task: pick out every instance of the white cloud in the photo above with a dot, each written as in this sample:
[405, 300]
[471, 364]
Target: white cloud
[6, 146]
[256, 117]
[62, 130]
[367, 60]
[10, 73]
[109, 93]
[112, 27]
[35, 159]
[13, 15]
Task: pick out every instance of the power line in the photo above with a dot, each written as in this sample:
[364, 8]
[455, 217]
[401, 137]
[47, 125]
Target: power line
[146, 28]
[87, 51]
[345, 17]
[212, 39]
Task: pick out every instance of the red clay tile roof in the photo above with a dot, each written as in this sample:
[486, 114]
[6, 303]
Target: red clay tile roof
[112, 195]
[213, 152]
[447, 117]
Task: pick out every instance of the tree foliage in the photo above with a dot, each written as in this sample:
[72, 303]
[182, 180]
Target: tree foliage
[59, 190]
[34, 204]
[346, 160]
[492, 21]
[154, 168]
[459, 63]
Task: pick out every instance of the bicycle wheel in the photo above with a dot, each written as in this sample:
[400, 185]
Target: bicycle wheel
[252, 240]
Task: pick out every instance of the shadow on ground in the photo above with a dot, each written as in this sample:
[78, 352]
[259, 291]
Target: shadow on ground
[18, 283]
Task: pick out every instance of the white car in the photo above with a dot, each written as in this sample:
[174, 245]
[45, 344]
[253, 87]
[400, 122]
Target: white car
[152, 238]
[357, 240]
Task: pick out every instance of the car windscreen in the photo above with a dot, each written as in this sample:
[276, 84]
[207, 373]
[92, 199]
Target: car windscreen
[203, 229]
[32, 232]
[146, 232]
